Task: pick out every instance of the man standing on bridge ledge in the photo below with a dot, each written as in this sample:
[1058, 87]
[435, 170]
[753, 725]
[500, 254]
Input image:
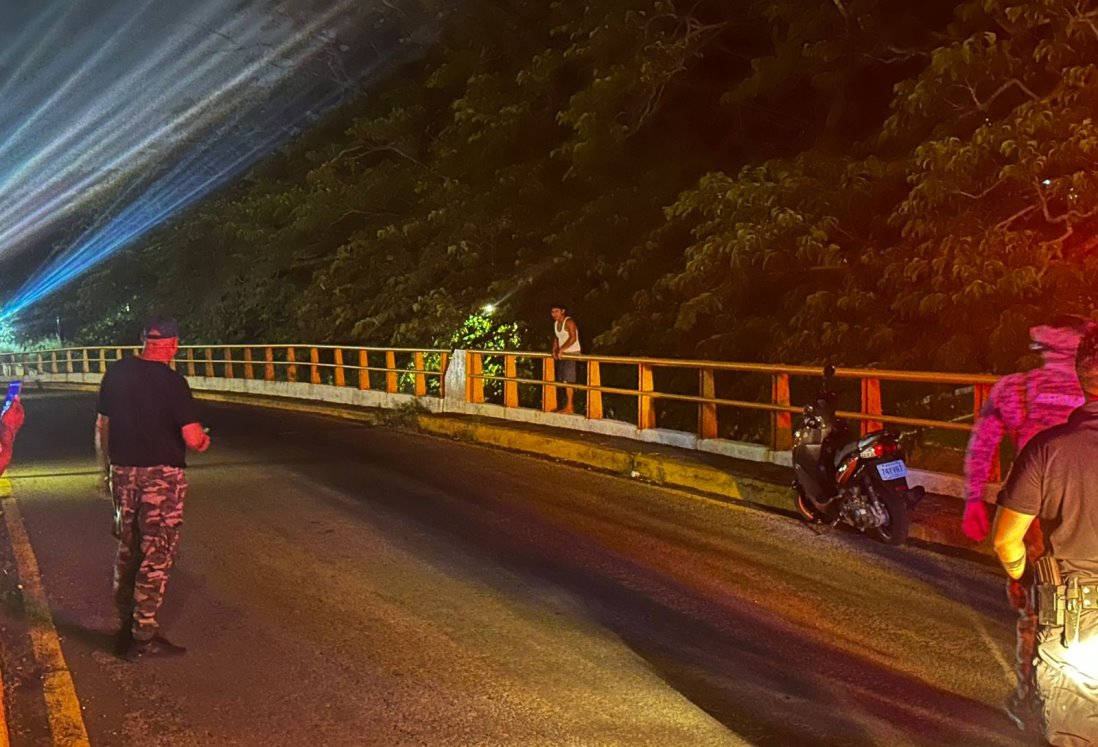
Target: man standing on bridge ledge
[147, 419]
[565, 342]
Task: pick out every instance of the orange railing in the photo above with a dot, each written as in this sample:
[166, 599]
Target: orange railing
[645, 391]
[698, 392]
[402, 368]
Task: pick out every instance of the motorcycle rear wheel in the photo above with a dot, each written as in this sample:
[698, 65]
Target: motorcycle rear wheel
[894, 531]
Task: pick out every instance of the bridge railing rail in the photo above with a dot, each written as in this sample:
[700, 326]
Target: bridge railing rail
[707, 398]
[391, 370]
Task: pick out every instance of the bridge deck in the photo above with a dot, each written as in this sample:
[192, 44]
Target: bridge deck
[341, 584]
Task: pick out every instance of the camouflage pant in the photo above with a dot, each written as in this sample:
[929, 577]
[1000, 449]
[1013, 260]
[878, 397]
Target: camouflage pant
[149, 504]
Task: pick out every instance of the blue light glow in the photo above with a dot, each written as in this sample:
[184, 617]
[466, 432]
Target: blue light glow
[132, 111]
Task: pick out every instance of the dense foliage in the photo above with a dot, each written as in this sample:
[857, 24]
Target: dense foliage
[870, 181]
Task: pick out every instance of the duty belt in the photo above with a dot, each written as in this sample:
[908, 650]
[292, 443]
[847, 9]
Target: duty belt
[1062, 603]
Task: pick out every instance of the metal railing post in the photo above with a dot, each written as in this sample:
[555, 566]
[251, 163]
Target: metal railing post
[249, 366]
[314, 367]
[474, 369]
[68, 362]
[102, 361]
[707, 411]
[363, 374]
[594, 396]
[190, 361]
[340, 374]
[510, 387]
[871, 404]
[392, 385]
[53, 363]
[268, 364]
[646, 411]
[291, 367]
[549, 388]
[421, 379]
[85, 362]
[781, 423]
[443, 364]
[229, 372]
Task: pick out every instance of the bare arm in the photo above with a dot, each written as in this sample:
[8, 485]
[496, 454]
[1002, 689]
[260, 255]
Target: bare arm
[102, 442]
[573, 334]
[1010, 531]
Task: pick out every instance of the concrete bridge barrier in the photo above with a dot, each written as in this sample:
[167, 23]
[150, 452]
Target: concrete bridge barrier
[676, 403]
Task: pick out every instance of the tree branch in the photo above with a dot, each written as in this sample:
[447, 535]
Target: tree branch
[983, 106]
[985, 193]
[1024, 212]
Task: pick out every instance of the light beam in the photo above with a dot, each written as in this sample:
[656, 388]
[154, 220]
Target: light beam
[124, 114]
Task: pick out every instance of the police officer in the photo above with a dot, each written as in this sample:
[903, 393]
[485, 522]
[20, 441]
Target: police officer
[146, 420]
[1019, 407]
[1055, 478]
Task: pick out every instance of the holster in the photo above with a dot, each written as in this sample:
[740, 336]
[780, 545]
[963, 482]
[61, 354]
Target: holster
[1051, 601]
[1058, 603]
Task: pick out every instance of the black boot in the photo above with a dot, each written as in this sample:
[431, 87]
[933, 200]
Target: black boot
[157, 647]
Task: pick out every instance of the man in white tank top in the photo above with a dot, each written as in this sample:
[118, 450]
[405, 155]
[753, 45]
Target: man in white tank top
[565, 342]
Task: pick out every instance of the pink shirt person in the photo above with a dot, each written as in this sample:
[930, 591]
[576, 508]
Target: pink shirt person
[1020, 406]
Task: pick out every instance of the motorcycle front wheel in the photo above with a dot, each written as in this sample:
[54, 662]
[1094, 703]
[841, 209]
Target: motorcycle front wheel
[894, 530]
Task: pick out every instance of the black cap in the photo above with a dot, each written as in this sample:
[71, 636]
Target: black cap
[161, 328]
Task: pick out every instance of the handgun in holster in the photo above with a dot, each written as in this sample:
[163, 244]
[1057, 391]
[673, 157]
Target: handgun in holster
[1051, 592]
[1073, 613]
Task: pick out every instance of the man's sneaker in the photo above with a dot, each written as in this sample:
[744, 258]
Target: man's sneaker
[155, 647]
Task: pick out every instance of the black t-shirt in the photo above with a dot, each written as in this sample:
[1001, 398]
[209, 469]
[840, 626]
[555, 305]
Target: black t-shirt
[1055, 477]
[148, 404]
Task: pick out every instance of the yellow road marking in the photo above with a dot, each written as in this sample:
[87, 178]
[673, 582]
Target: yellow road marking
[62, 705]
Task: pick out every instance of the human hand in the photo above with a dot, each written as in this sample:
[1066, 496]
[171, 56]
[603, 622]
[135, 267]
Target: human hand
[975, 524]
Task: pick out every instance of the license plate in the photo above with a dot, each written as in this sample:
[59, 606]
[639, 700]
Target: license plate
[892, 470]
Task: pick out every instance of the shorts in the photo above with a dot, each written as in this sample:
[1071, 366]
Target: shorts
[568, 371]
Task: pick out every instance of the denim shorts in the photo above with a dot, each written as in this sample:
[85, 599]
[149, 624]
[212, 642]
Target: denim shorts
[567, 371]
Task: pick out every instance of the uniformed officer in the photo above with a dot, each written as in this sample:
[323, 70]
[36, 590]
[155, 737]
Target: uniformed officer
[1055, 478]
[146, 421]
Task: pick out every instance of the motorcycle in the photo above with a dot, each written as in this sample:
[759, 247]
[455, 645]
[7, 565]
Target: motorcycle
[857, 481]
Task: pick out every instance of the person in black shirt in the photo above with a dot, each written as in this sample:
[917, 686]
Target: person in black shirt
[146, 421]
[1055, 477]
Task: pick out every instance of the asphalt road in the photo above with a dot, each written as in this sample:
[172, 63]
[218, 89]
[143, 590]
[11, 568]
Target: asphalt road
[340, 584]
